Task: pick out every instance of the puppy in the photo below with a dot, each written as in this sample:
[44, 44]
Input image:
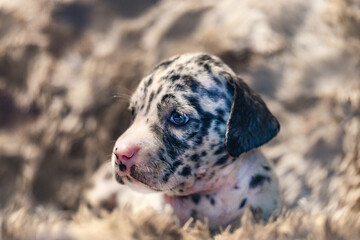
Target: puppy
[194, 138]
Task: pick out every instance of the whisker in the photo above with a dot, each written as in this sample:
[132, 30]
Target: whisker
[127, 90]
[122, 95]
[121, 100]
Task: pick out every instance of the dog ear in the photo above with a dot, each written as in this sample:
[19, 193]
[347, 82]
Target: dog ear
[250, 122]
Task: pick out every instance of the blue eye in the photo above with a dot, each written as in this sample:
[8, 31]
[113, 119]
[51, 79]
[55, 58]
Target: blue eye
[178, 118]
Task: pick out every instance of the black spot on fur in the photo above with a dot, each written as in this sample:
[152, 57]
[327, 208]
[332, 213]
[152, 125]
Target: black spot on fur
[243, 202]
[149, 102]
[214, 94]
[208, 69]
[191, 135]
[172, 169]
[166, 177]
[193, 214]
[133, 113]
[186, 171]
[212, 200]
[220, 113]
[174, 146]
[221, 161]
[216, 80]
[167, 63]
[119, 179]
[167, 97]
[194, 102]
[149, 82]
[196, 198]
[218, 130]
[258, 180]
[192, 83]
[194, 158]
[156, 129]
[144, 96]
[220, 150]
[267, 168]
[204, 57]
[206, 120]
[159, 109]
[175, 165]
[197, 165]
[159, 90]
[212, 146]
[203, 153]
[122, 167]
[180, 88]
[207, 59]
[174, 77]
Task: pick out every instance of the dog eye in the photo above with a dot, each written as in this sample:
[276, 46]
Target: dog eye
[178, 118]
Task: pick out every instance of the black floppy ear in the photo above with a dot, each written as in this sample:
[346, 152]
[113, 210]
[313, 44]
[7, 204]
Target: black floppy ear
[250, 123]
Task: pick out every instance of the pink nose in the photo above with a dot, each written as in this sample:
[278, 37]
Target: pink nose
[125, 155]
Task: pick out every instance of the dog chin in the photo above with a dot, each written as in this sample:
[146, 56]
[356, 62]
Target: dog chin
[139, 187]
[135, 184]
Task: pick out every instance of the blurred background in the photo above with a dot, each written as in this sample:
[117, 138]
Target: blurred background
[68, 67]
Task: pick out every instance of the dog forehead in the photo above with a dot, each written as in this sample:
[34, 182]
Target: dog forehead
[191, 64]
[181, 74]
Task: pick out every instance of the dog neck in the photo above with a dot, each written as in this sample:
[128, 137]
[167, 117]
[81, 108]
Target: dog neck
[224, 177]
[214, 198]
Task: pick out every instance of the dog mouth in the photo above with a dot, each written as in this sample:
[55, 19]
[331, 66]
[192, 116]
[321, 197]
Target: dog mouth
[137, 176]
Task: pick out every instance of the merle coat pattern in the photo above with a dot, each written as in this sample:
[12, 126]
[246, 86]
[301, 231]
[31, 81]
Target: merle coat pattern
[194, 137]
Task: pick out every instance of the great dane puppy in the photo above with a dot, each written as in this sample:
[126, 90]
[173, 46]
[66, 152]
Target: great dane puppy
[195, 136]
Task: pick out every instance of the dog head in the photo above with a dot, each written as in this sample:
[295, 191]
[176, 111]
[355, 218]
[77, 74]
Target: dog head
[191, 117]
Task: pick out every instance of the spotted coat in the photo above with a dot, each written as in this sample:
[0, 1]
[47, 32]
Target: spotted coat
[209, 166]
